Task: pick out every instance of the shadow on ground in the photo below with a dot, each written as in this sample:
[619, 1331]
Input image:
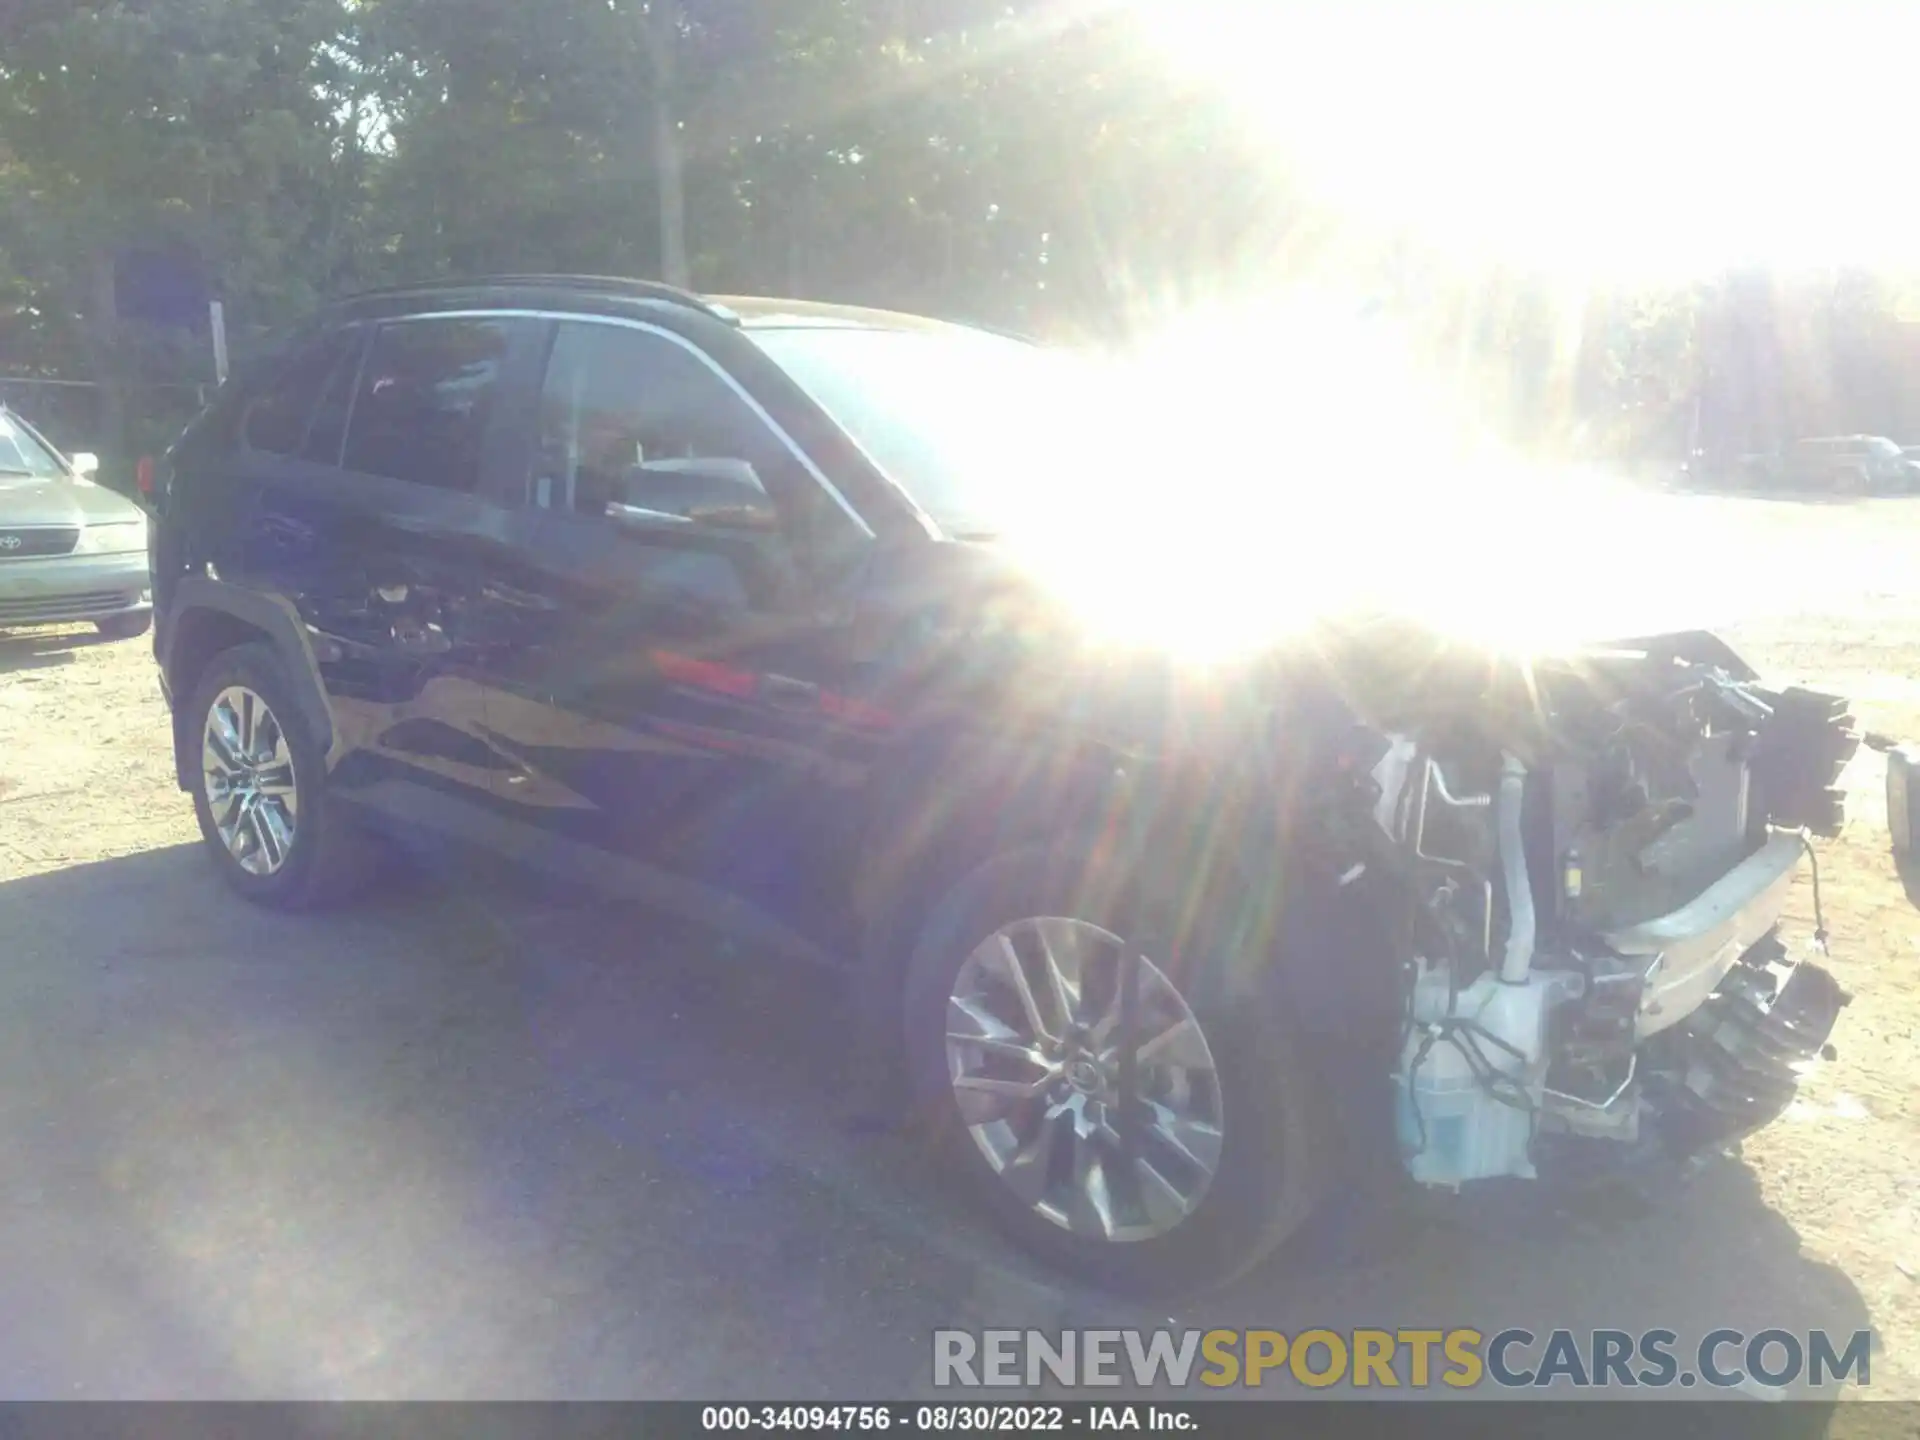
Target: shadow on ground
[1707, 486]
[1908, 869]
[42, 650]
[467, 1142]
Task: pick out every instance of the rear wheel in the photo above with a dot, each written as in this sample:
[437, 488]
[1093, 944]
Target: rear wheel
[260, 788]
[1121, 1104]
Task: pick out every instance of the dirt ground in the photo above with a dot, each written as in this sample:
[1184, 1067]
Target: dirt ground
[85, 778]
[1843, 1167]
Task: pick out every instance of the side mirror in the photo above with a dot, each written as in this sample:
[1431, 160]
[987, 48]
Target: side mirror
[85, 464]
[722, 493]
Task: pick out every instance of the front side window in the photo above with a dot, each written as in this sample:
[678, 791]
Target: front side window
[626, 416]
[425, 399]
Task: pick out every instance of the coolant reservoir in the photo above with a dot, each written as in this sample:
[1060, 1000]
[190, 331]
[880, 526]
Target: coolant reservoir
[1452, 1127]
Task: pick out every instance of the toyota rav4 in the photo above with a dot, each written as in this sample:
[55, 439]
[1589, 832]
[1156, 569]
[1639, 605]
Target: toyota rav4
[718, 605]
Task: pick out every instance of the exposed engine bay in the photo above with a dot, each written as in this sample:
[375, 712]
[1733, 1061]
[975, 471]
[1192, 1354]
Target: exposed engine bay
[1590, 858]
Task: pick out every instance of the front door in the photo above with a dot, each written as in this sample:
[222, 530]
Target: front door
[683, 614]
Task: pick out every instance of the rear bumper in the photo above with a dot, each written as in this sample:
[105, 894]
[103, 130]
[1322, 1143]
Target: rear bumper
[60, 589]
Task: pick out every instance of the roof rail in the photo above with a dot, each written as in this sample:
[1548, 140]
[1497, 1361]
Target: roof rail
[604, 284]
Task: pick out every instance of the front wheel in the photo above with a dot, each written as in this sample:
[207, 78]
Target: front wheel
[1124, 1105]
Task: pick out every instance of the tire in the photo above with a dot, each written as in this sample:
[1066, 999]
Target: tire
[124, 627]
[324, 857]
[1271, 1153]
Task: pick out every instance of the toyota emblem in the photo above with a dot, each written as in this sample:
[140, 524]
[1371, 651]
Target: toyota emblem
[9, 542]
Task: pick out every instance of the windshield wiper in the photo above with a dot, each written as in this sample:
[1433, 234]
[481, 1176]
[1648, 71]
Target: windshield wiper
[10, 470]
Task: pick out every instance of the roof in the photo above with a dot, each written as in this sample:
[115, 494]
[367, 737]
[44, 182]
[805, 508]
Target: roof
[752, 309]
[584, 287]
[748, 311]
[765, 312]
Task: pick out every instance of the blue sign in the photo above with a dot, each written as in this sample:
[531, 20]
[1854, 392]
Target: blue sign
[162, 287]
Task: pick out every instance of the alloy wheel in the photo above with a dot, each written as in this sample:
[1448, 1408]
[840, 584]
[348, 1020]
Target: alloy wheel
[248, 771]
[1084, 1079]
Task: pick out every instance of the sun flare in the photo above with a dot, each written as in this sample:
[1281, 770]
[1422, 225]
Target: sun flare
[1620, 140]
[1249, 469]
[1331, 456]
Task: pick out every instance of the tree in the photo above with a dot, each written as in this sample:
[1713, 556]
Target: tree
[208, 126]
[1028, 163]
[661, 25]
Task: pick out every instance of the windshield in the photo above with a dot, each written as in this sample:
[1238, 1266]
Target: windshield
[22, 454]
[961, 419]
[1883, 448]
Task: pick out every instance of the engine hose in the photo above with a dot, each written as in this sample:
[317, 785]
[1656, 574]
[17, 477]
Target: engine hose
[1819, 915]
[1518, 959]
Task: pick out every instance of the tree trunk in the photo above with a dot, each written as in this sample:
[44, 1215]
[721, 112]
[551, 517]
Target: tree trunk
[663, 38]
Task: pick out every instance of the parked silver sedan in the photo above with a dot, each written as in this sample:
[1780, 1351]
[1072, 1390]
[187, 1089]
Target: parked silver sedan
[69, 549]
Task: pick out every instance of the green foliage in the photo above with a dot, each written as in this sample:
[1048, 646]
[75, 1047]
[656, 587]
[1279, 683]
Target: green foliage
[216, 126]
[1030, 163]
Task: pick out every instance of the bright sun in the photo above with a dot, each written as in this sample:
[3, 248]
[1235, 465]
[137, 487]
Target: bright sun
[1598, 147]
[1619, 141]
[1252, 466]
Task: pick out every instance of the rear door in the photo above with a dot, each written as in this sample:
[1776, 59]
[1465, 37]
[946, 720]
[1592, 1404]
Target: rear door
[674, 679]
[211, 517]
[376, 512]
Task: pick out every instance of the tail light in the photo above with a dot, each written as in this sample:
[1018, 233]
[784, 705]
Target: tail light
[143, 475]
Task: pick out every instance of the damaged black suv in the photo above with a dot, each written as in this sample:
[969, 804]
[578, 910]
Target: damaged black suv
[709, 604]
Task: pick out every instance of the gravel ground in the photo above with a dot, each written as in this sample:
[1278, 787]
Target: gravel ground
[465, 1142]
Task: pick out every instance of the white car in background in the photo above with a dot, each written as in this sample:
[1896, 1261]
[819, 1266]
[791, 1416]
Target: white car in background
[70, 550]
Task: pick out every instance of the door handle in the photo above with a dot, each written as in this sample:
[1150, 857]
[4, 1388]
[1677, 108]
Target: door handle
[785, 691]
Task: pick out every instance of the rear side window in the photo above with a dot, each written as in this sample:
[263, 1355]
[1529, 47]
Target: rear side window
[426, 394]
[275, 420]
